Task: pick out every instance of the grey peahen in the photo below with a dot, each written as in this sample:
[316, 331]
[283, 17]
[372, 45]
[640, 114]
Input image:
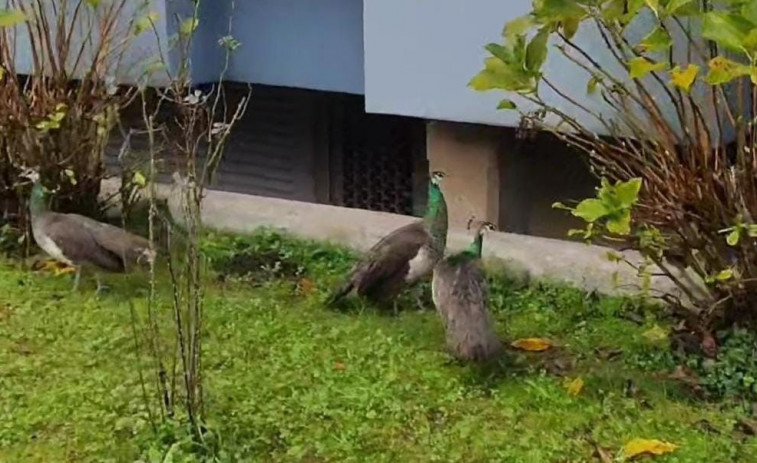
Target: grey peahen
[79, 241]
[460, 294]
[403, 257]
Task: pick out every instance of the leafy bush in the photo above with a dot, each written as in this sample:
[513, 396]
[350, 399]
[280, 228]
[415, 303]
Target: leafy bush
[734, 372]
[269, 254]
[678, 165]
[58, 112]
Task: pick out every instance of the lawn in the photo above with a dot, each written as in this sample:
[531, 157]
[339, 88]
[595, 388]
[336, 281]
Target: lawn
[290, 380]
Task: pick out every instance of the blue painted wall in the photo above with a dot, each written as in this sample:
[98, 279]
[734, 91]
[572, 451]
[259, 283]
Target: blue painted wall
[294, 43]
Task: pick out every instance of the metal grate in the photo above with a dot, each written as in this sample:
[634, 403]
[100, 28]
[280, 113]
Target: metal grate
[377, 163]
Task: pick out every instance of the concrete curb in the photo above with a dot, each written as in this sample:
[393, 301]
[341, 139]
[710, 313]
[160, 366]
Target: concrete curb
[576, 264]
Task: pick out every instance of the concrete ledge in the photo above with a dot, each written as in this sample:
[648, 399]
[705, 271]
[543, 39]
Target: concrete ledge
[576, 264]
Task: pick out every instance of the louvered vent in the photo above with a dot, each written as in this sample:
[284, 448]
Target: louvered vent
[271, 150]
[378, 158]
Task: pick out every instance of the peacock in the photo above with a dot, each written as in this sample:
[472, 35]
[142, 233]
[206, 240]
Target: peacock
[460, 294]
[80, 242]
[403, 257]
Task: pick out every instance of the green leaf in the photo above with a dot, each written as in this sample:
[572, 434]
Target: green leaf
[9, 18]
[750, 41]
[654, 5]
[591, 86]
[724, 275]
[559, 205]
[536, 52]
[500, 75]
[570, 27]
[620, 223]
[655, 41]
[640, 67]
[675, 5]
[722, 70]
[752, 231]
[733, 238]
[749, 11]
[507, 104]
[503, 53]
[189, 26]
[93, 3]
[727, 30]
[684, 78]
[517, 26]
[622, 11]
[628, 192]
[590, 210]
[139, 179]
[557, 10]
[146, 22]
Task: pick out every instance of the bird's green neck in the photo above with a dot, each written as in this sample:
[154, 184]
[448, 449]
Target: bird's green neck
[476, 246]
[472, 252]
[38, 200]
[436, 216]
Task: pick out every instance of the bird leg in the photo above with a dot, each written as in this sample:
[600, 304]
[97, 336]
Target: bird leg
[77, 279]
[100, 287]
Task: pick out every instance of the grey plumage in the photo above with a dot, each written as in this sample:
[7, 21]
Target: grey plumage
[83, 242]
[403, 257]
[461, 297]
[381, 275]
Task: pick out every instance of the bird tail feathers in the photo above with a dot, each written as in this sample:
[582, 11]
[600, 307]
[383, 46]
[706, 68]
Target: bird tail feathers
[339, 293]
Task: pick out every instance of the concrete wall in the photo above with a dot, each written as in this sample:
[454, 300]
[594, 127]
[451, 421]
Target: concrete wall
[290, 43]
[535, 258]
[512, 183]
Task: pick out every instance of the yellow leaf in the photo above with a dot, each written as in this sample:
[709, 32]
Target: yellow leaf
[575, 387]
[9, 18]
[636, 447]
[146, 22]
[2, 72]
[684, 78]
[139, 179]
[656, 334]
[533, 344]
[640, 67]
[188, 26]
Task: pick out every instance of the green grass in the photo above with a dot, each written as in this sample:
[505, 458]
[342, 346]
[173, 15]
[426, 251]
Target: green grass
[289, 380]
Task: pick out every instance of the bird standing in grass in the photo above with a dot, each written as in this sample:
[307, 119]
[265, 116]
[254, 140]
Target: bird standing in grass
[80, 242]
[403, 257]
[460, 294]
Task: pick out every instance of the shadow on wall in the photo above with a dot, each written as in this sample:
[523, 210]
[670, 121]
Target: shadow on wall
[535, 173]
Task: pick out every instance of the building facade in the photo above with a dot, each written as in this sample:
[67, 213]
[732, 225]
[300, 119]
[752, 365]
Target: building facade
[355, 101]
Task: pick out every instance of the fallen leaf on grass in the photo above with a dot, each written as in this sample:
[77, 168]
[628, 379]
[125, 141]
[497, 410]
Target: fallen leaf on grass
[575, 387]
[339, 366]
[50, 265]
[306, 286]
[533, 344]
[656, 334]
[638, 447]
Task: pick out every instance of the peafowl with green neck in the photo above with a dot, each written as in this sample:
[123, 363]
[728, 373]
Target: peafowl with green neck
[80, 242]
[403, 257]
[460, 294]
